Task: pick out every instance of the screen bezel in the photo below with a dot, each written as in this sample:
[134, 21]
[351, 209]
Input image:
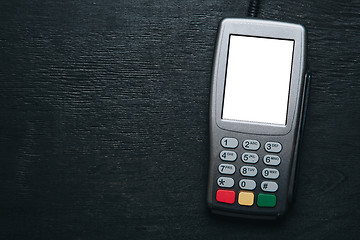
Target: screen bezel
[264, 29]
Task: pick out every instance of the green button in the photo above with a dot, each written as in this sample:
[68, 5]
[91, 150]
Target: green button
[266, 200]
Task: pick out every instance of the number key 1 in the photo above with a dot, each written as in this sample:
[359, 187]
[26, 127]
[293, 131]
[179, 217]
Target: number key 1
[228, 142]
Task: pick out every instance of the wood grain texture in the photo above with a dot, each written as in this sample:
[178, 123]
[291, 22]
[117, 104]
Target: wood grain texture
[104, 120]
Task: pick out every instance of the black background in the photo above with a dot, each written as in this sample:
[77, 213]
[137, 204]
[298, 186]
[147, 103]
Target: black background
[104, 120]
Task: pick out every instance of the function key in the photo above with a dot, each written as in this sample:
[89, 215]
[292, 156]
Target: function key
[251, 144]
[249, 157]
[246, 198]
[269, 186]
[273, 147]
[225, 196]
[266, 200]
[247, 184]
[248, 171]
[228, 142]
[228, 156]
[272, 160]
[270, 173]
[226, 169]
[225, 182]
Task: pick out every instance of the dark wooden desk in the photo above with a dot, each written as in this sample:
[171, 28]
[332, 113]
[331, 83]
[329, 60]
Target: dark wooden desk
[104, 120]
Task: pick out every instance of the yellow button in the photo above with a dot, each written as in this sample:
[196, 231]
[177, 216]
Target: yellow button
[246, 198]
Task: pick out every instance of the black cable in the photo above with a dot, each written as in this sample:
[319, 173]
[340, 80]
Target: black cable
[253, 8]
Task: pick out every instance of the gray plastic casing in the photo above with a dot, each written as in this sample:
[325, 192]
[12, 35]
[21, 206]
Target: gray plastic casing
[288, 135]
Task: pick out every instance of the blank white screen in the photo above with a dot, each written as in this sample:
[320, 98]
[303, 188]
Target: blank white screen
[257, 79]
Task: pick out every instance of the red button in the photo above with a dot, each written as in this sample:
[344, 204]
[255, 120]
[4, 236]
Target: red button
[225, 196]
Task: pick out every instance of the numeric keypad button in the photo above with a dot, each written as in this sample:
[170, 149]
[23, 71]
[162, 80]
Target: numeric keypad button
[246, 198]
[269, 186]
[228, 142]
[249, 157]
[225, 182]
[251, 144]
[225, 196]
[248, 171]
[226, 169]
[270, 173]
[228, 156]
[273, 147]
[247, 184]
[272, 160]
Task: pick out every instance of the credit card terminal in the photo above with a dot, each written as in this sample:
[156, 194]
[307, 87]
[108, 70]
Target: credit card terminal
[257, 104]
